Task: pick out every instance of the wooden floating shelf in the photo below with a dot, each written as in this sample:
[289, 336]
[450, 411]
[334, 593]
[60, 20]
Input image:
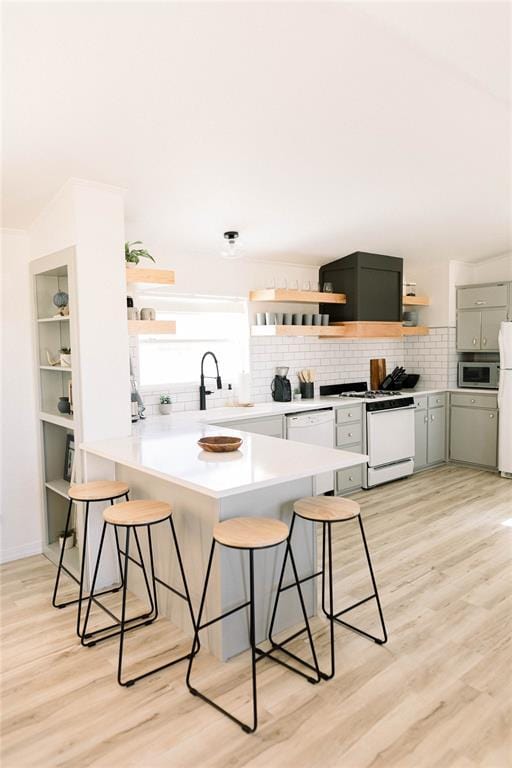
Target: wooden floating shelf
[354, 330]
[57, 319]
[415, 330]
[297, 330]
[135, 275]
[65, 368]
[136, 327]
[415, 301]
[297, 297]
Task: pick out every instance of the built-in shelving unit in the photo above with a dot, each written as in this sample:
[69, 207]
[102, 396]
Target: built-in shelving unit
[52, 274]
[416, 301]
[140, 275]
[136, 327]
[297, 297]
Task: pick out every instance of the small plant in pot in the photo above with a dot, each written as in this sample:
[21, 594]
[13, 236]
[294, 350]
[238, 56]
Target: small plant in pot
[132, 255]
[65, 357]
[165, 404]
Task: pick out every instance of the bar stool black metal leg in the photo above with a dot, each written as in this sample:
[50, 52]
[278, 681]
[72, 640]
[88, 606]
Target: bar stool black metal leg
[336, 616]
[183, 578]
[252, 641]
[60, 566]
[195, 644]
[82, 571]
[93, 584]
[146, 580]
[123, 615]
[331, 598]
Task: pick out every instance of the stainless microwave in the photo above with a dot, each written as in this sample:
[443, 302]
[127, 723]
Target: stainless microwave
[479, 375]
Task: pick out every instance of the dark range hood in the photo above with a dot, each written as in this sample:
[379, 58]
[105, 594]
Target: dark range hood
[373, 286]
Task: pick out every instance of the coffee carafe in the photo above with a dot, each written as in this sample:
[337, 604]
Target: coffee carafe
[281, 387]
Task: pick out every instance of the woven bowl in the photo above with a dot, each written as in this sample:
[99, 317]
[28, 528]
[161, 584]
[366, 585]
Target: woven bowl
[220, 444]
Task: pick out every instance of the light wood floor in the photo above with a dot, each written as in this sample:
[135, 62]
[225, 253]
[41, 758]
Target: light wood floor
[437, 695]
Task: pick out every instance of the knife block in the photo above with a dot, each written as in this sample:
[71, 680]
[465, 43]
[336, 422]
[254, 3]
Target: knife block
[377, 372]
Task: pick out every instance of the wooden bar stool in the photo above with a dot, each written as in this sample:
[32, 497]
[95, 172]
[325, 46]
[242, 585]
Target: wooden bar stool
[131, 515]
[328, 510]
[97, 490]
[249, 533]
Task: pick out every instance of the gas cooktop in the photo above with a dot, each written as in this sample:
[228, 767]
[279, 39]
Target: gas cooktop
[357, 389]
[371, 394]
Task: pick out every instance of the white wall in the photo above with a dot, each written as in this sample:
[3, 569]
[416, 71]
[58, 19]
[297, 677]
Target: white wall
[20, 492]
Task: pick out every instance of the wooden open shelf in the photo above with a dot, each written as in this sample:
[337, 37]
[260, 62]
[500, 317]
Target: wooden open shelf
[297, 330]
[415, 330]
[353, 330]
[416, 301]
[136, 275]
[297, 297]
[136, 327]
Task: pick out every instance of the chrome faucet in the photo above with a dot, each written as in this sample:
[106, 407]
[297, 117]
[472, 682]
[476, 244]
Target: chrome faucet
[202, 389]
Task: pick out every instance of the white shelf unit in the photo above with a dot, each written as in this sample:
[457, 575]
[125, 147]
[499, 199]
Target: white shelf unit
[51, 274]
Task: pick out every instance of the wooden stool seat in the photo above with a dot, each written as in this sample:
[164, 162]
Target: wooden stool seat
[326, 509]
[140, 512]
[250, 532]
[98, 490]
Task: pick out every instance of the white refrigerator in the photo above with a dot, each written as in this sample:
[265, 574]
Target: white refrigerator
[505, 399]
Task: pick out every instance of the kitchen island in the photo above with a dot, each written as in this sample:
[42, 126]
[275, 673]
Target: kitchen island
[263, 479]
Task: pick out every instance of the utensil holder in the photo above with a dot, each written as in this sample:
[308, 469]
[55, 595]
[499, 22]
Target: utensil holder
[307, 390]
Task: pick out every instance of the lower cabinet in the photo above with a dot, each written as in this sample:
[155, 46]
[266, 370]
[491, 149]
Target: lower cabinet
[349, 435]
[474, 435]
[430, 430]
[265, 425]
[349, 479]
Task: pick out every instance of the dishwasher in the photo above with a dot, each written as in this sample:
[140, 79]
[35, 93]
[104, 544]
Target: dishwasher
[314, 428]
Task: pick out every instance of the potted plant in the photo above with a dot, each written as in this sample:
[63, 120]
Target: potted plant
[297, 394]
[132, 256]
[165, 404]
[65, 357]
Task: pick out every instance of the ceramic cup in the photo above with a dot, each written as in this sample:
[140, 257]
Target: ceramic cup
[308, 320]
[297, 319]
[325, 319]
[279, 318]
[317, 319]
[288, 318]
[270, 318]
[147, 313]
[260, 318]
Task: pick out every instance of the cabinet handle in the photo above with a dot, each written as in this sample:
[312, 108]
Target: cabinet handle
[426, 419]
[484, 341]
[472, 400]
[479, 302]
[432, 417]
[351, 478]
[350, 434]
[491, 415]
[474, 341]
[349, 415]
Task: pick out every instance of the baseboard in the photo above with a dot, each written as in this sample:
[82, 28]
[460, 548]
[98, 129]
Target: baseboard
[17, 553]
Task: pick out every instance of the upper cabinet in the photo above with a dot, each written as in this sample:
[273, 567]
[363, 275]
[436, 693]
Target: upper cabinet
[480, 310]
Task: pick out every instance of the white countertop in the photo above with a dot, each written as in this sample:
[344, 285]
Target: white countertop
[172, 454]
[166, 447]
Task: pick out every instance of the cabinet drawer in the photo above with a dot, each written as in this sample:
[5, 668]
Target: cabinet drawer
[348, 479]
[436, 400]
[420, 402]
[344, 415]
[349, 433]
[271, 425]
[474, 401]
[480, 297]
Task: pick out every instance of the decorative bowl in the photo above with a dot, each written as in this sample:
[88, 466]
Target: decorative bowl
[220, 444]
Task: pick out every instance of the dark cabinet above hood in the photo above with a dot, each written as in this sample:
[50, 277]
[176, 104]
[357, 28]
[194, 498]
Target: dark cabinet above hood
[372, 284]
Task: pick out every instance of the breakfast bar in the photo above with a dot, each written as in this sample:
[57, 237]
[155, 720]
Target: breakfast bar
[261, 479]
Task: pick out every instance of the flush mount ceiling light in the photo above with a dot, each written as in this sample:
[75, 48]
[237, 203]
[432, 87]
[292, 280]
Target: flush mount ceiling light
[231, 249]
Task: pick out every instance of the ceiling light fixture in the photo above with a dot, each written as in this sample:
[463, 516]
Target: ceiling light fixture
[231, 249]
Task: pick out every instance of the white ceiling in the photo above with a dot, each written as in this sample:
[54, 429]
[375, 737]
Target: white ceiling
[316, 129]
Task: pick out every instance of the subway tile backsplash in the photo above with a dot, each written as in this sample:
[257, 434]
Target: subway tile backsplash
[433, 357]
